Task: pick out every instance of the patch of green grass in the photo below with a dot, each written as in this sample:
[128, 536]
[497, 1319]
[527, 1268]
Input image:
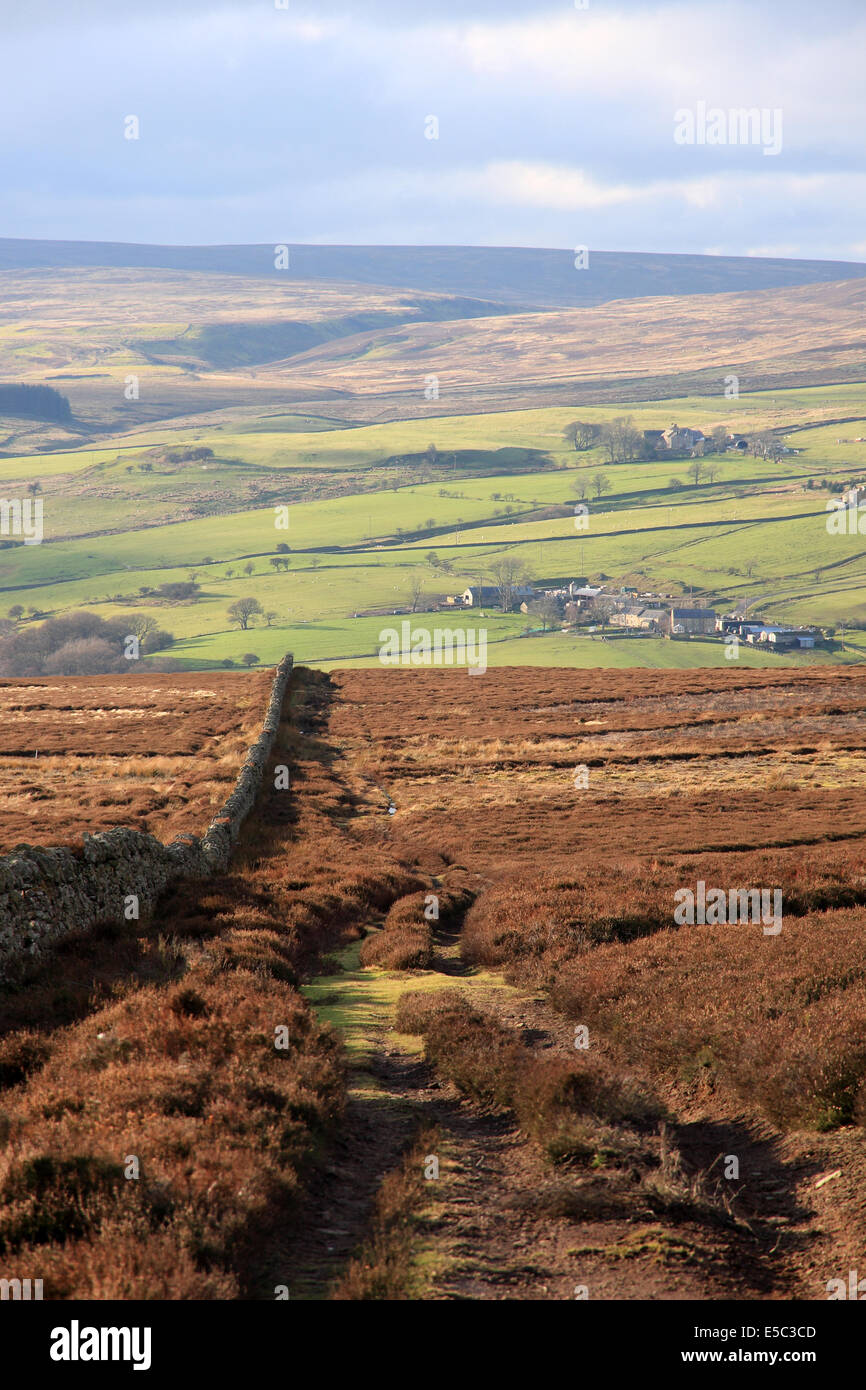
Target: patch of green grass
[361, 1003]
[755, 535]
[581, 652]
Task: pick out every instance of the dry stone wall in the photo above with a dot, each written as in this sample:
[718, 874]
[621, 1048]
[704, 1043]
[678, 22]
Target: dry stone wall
[47, 892]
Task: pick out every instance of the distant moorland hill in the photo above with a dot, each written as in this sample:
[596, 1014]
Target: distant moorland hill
[131, 346]
[526, 276]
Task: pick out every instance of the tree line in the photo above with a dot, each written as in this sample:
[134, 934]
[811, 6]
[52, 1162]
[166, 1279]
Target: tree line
[80, 644]
[623, 442]
[34, 402]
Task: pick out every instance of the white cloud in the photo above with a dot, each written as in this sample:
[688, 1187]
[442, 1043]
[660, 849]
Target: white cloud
[572, 189]
[777, 250]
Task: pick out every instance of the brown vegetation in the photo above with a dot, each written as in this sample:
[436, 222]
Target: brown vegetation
[384, 1268]
[406, 939]
[742, 779]
[772, 332]
[151, 752]
[550, 1096]
[157, 1041]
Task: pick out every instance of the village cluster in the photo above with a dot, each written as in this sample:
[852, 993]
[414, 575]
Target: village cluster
[579, 604]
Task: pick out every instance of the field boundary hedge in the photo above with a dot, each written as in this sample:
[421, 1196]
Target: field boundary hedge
[46, 892]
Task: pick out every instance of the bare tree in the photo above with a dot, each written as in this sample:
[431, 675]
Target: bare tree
[140, 625]
[600, 483]
[549, 610]
[243, 611]
[416, 590]
[581, 435]
[764, 444]
[620, 439]
[508, 573]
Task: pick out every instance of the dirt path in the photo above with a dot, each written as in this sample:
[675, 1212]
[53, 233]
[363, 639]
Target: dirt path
[502, 1222]
[660, 1211]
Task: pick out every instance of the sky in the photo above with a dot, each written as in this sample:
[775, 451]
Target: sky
[274, 121]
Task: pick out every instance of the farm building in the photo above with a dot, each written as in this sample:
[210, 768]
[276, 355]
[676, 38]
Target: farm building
[689, 621]
[486, 595]
[782, 637]
[741, 626]
[479, 594]
[654, 441]
[652, 619]
[682, 440]
[643, 619]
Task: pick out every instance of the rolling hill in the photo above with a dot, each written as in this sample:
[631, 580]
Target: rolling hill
[197, 342]
[522, 276]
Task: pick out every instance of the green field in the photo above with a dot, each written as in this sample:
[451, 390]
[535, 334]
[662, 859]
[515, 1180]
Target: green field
[367, 504]
[583, 653]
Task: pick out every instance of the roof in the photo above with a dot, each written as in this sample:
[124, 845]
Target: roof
[693, 612]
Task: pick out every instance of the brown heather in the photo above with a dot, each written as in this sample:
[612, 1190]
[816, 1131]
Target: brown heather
[150, 752]
[156, 1039]
[406, 939]
[778, 1021]
[744, 779]
[384, 1268]
[549, 1096]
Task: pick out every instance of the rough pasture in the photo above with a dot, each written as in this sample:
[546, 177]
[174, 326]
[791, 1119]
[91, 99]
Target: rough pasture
[152, 752]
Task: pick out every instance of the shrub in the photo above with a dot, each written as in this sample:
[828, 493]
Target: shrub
[179, 591]
[406, 939]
